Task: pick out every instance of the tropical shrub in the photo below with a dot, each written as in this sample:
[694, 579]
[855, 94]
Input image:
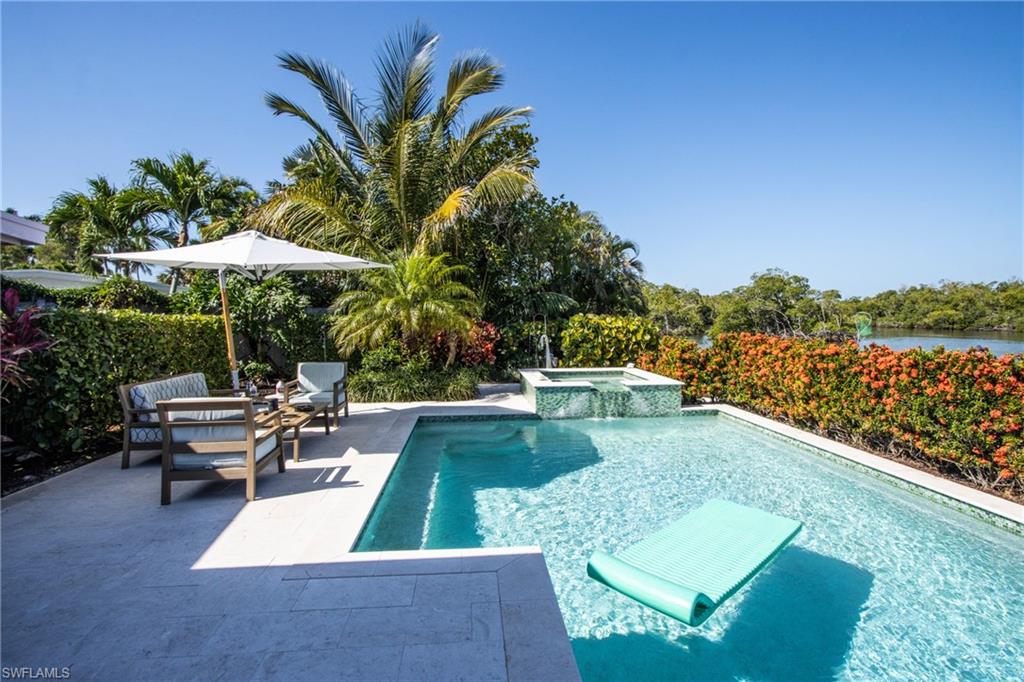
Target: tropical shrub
[417, 298]
[20, 336]
[607, 340]
[257, 372]
[960, 411]
[476, 347]
[680, 359]
[114, 293]
[394, 373]
[71, 403]
[520, 345]
[270, 319]
[409, 384]
[120, 292]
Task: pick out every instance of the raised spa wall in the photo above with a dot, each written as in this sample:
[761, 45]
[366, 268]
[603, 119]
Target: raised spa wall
[647, 395]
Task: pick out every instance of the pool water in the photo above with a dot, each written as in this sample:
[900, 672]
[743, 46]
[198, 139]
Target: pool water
[879, 584]
[605, 382]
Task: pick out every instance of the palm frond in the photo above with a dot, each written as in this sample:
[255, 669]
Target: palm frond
[339, 99]
[404, 74]
[485, 127]
[471, 74]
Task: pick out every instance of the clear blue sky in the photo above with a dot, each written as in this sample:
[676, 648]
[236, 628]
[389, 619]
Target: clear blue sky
[866, 146]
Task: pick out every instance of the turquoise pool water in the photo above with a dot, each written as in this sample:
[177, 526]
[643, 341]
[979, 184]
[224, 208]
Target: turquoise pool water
[881, 584]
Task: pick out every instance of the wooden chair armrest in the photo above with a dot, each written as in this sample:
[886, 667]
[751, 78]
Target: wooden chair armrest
[226, 392]
[134, 414]
[289, 388]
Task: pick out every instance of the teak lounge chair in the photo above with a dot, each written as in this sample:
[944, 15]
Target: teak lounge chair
[217, 439]
[319, 383]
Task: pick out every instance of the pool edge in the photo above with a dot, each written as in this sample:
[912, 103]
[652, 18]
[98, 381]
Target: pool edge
[991, 509]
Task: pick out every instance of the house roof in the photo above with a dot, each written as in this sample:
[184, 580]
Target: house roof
[17, 230]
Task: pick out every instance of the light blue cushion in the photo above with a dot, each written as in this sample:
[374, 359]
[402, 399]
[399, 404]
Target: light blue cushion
[319, 377]
[196, 461]
[145, 396]
[200, 433]
[321, 398]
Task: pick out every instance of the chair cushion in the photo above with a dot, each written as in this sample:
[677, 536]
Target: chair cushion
[318, 377]
[144, 396]
[195, 461]
[200, 433]
[319, 398]
[146, 434]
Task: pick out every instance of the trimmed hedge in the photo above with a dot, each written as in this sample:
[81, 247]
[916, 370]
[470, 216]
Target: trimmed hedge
[117, 292]
[607, 340]
[959, 410]
[72, 403]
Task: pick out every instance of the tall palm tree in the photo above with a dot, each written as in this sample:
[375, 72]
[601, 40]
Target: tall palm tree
[396, 174]
[416, 298]
[190, 192]
[609, 267]
[106, 220]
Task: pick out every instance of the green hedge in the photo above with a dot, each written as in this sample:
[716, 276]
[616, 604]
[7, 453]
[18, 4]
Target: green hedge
[607, 340]
[72, 401]
[117, 292]
[960, 411]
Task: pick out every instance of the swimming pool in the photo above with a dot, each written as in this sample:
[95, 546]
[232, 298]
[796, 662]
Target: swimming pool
[880, 584]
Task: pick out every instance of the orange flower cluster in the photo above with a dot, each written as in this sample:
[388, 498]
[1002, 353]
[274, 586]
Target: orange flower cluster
[959, 408]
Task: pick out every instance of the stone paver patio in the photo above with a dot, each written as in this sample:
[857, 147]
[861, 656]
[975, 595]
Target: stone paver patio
[98, 577]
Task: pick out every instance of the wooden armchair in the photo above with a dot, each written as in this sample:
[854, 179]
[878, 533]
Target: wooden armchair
[217, 439]
[319, 383]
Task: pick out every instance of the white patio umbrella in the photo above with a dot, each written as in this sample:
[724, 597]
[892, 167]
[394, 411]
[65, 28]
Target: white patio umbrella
[252, 254]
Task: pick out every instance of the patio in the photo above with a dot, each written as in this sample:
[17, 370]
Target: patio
[98, 577]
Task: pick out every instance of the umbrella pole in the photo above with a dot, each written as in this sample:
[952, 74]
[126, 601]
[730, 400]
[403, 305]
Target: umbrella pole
[221, 280]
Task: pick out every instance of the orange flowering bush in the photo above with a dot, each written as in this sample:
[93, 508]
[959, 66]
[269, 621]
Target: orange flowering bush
[960, 410]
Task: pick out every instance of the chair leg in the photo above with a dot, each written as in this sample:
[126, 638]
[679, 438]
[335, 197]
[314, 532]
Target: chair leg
[250, 486]
[327, 421]
[337, 419]
[280, 459]
[165, 490]
[126, 451]
[346, 409]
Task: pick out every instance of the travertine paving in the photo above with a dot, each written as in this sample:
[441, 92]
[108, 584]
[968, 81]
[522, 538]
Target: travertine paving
[98, 577]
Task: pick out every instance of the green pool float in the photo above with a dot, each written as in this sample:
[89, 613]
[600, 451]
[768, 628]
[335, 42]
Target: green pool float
[689, 568]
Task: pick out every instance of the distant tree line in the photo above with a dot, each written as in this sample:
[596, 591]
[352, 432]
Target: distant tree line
[777, 302]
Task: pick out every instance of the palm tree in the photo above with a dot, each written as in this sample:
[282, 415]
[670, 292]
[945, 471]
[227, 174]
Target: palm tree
[416, 298]
[608, 268]
[190, 193]
[402, 171]
[106, 220]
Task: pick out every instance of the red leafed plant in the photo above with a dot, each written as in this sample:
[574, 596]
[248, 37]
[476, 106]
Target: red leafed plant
[20, 336]
[476, 347]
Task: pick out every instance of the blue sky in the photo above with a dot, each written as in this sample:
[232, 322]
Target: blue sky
[866, 146]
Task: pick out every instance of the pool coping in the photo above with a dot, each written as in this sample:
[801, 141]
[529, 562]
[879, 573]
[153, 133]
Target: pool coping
[998, 511]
